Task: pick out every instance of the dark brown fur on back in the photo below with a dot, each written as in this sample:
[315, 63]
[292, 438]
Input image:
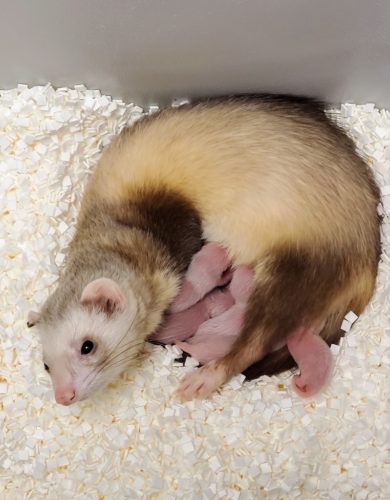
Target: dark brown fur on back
[168, 218]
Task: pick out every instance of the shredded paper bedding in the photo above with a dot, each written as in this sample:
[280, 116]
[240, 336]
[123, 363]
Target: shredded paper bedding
[254, 440]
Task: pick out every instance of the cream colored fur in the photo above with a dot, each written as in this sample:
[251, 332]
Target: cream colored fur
[253, 176]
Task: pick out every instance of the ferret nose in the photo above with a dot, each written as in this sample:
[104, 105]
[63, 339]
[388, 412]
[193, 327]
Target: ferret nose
[65, 396]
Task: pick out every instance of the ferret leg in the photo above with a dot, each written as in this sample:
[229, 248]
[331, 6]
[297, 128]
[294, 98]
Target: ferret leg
[314, 360]
[208, 269]
[291, 286]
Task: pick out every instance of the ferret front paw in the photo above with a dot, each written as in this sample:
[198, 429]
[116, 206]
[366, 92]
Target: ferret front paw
[201, 383]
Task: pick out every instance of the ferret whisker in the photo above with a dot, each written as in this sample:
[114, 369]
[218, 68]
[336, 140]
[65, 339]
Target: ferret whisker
[106, 366]
[107, 363]
[127, 348]
[113, 350]
[126, 332]
[122, 361]
[124, 348]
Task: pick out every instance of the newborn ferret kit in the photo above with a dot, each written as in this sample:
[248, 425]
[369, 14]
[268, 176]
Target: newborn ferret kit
[266, 206]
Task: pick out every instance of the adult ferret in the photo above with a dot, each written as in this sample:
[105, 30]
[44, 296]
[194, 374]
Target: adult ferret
[271, 179]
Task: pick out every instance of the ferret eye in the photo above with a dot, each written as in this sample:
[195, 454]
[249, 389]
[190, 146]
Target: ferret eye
[87, 347]
[46, 367]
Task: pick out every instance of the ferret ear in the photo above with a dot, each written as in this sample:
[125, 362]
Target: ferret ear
[104, 294]
[33, 318]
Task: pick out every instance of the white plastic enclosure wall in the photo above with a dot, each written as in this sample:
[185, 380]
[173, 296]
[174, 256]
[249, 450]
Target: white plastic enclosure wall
[153, 50]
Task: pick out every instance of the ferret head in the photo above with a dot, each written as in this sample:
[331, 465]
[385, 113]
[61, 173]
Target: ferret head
[92, 342]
